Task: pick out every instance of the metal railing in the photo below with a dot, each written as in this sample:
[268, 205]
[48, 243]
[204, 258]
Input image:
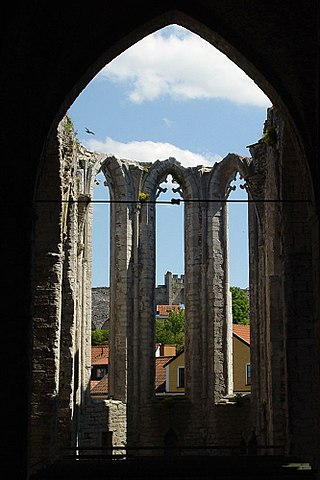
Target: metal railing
[126, 452]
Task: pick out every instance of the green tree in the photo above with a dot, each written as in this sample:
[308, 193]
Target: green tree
[171, 330]
[240, 306]
[99, 337]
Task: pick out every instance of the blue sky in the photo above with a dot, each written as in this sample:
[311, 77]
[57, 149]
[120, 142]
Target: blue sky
[171, 94]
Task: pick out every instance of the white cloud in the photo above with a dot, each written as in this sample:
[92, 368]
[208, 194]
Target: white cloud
[148, 151]
[180, 64]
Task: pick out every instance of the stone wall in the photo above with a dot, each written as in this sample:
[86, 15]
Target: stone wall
[282, 324]
[282, 230]
[46, 326]
[62, 299]
[207, 297]
[171, 293]
[225, 422]
[100, 307]
[104, 425]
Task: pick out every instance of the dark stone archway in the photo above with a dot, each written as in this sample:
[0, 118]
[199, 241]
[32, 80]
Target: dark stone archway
[50, 55]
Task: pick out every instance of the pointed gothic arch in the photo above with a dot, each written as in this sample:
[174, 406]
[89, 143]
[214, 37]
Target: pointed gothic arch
[294, 141]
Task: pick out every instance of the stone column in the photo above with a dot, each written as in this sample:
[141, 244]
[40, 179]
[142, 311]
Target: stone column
[121, 224]
[147, 301]
[227, 327]
[217, 300]
[193, 293]
[47, 293]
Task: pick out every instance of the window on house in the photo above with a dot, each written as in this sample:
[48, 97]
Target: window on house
[181, 377]
[100, 372]
[248, 374]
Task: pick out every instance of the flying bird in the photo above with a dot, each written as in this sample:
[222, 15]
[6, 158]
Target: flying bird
[89, 131]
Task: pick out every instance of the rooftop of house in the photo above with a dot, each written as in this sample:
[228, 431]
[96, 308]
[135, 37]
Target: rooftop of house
[99, 387]
[164, 310]
[171, 359]
[160, 380]
[99, 355]
[242, 332]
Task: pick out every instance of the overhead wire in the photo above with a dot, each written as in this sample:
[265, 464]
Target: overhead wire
[178, 201]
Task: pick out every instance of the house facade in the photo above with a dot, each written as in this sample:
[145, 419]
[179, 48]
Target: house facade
[175, 378]
[175, 367]
[241, 358]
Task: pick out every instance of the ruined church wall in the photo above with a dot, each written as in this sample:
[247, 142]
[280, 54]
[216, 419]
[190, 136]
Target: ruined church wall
[300, 293]
[208, 320]
[104, 419]
[62, 299]
[196, 425]
[47, 286]
[283, 249]
[53, 324]
[282, 325]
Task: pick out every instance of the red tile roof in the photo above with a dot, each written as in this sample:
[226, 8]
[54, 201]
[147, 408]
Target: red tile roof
[100, 355]
[93, 383]
[242, 331]
[160, 380]
[100, 387]
[164, 310]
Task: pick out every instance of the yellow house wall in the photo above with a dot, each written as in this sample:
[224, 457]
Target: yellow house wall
[241, 356]
[173, 374]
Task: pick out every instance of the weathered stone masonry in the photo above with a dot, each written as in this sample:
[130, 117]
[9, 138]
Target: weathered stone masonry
[171, 293]
[282, 236]
[284, 371]
[207, 299]
[132, 304]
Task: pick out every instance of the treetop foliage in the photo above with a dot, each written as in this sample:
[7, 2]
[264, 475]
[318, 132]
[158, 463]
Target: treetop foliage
[171, 330]
[240, 306]
[99, 337]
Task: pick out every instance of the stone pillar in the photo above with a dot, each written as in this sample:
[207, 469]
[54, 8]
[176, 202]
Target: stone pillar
[147, 301]
[283, 334]
[142, 352]
[47, 284]
[70, 336]
[194, 347]
[227, 327]
[218, 299]
[301, 338]
[121, 274]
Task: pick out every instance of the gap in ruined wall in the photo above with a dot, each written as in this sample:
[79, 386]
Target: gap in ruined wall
[101, 234]
[170, 321]
[100, 289]
[239, 284]
[118, 147]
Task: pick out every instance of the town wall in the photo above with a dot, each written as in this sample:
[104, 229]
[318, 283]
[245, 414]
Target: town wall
[171, 293]
[100, 307]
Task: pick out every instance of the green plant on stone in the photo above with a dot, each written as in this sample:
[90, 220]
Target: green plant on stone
[143, 197]
[269, 136]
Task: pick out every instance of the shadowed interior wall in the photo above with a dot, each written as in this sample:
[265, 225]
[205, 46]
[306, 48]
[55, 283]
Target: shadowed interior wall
[49, 58]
